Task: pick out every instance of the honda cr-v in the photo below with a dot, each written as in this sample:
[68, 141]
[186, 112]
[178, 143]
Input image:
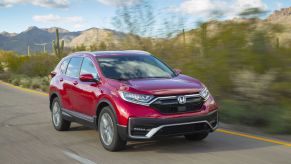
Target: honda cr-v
[129, 95]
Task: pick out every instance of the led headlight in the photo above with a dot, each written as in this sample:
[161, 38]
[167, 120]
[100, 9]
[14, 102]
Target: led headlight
[136, 98]
[204, 93]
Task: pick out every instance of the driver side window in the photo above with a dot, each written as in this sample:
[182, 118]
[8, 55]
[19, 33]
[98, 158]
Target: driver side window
[88, 68]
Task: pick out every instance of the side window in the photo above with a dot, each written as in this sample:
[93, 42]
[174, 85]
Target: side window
[88, 68]
[73, 69]
[64, 66]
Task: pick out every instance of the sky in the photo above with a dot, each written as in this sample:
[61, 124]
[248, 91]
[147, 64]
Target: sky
[75, 15]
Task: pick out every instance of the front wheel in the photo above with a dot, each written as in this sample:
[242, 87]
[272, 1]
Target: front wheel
[196, 136]
[108, 132]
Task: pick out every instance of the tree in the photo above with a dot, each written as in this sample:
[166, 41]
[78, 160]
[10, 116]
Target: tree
[137, 20]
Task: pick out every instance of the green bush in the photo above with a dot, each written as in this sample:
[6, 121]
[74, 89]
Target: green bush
[280, 120]
[38, 64]
[24, 82]
[15, 81]
[1, 68]
[36, 83]
[5, 76]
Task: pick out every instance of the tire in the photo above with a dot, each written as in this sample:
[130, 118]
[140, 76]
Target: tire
[108, 133]
[59, 123]
[196, 136]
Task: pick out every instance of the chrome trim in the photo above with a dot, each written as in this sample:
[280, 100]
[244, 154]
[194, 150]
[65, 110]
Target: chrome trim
[208, 95]
[122, 125]
[153, 131]
[165, 97]
[78, 115]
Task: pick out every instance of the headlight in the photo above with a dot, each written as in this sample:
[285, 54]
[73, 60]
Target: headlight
[204, 93]
[136, 98]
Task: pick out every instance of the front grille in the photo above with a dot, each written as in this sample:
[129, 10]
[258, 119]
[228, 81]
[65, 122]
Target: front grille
[172, 106]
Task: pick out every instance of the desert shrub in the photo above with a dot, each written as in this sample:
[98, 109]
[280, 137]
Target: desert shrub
[25, 82]
[15, 81]
[38, 65]
[280, 120]
[5, 76]
[45, 81]
[1, 68]
[36, 83]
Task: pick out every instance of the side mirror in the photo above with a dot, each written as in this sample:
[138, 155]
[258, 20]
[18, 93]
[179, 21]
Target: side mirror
[177, 71]
[87, 78]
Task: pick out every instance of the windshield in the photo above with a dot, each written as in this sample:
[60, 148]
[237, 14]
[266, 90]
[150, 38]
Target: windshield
[133, 67]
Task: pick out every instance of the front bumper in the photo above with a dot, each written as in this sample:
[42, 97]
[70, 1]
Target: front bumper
[149, 128]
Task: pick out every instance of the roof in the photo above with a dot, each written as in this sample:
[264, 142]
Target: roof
[106, 53]
[127, 52]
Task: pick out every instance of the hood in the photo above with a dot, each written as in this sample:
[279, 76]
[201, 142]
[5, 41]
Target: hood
[178, 85]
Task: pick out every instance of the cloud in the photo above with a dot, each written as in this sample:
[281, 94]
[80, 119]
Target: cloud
[118, 2]
[41, 3]
[207, 8]
[75, 21]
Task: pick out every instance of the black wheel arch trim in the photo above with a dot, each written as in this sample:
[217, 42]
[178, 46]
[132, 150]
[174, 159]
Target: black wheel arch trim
[104, 100]
[58, 95]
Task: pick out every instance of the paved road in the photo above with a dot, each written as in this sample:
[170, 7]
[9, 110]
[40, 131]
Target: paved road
[27, 136]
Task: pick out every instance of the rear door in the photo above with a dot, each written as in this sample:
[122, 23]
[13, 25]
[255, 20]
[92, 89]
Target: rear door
[61, 80]
[71, 82]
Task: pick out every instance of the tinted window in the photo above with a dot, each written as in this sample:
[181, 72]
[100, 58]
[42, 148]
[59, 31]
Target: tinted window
[64, 66]
[88, 67]
[134, 67]
[74, 67]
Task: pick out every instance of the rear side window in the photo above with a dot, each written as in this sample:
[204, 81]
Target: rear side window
[64, 66]
[73, 69]
[88, 68]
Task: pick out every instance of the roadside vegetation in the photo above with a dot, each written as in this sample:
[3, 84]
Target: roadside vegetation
[245, 67]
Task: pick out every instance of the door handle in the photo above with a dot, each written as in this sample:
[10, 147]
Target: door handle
[75, 82]
[61, 79]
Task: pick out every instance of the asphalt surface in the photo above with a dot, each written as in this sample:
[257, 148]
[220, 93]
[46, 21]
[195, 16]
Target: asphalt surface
[27, 136]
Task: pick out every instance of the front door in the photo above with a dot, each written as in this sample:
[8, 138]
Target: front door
[89, 91]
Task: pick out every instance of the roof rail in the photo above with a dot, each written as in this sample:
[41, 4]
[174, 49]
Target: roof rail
[88, 52]
[137, 51]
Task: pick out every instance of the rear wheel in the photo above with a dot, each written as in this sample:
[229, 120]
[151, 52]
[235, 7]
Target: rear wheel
[59, 123]
[196, 136]
[108, 133]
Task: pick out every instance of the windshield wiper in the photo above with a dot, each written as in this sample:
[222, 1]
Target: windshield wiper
[157, 77]
[135, 78]
[160, 77]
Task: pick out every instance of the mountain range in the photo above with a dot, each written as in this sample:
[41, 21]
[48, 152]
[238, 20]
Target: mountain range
[35, 37]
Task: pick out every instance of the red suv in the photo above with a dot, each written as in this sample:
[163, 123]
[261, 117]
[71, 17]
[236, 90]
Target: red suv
[129, 95]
